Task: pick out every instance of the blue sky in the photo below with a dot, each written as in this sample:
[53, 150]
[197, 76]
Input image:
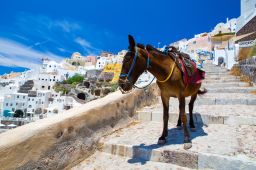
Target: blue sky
[31, 29]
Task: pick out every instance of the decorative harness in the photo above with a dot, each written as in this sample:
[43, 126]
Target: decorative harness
[148, 66]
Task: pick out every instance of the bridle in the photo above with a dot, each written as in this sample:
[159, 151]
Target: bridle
[127, 75]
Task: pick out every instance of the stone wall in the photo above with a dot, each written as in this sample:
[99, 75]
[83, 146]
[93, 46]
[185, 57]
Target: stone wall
[69, 137]
[248, 67]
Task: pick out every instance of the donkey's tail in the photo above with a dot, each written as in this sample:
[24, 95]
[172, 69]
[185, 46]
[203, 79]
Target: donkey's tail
[202, 92]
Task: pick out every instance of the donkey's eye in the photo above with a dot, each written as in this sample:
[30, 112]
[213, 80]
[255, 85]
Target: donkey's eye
[127, 58]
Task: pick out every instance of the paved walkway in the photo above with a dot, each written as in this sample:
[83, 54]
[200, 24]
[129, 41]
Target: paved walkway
[225, 138]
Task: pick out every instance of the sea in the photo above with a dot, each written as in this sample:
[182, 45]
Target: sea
[9, 69]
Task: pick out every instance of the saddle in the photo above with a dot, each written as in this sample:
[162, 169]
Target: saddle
[183, 60]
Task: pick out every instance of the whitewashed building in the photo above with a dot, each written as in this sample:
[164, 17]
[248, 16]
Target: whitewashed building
[15, 101]
[38, 100]
[48, 75]
[248, 11]
[101, 63]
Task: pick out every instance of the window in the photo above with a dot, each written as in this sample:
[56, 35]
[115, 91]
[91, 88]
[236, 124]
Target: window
[42, 87]
[49, 87]
[23, 104]
[23, 97]
[32, 99]
[18, 96]
[6, 104]
[11, 104]
[16, 104]
[28, 99]
[39, 79]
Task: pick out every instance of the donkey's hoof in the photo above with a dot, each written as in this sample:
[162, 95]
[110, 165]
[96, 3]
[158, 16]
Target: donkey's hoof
[193, 129]
[161, 141]
[179, 127]
[187, 145]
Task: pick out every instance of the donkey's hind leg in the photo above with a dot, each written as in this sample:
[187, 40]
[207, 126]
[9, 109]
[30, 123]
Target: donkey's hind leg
[187, 141]
[191, 106]
[179, 126]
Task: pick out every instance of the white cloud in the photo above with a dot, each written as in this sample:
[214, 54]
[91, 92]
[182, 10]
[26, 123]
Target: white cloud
[86, 45]
[15, 53]
[83, 42]
[65, 25]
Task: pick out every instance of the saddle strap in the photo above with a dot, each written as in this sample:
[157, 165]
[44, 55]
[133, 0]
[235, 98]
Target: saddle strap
[170, 74]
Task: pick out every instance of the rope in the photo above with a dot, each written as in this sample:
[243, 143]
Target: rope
[144, 86]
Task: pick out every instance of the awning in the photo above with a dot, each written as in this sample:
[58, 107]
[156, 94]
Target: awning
[237, 38]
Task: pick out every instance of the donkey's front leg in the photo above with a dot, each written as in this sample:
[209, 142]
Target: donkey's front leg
[187, 141]
[165, 100]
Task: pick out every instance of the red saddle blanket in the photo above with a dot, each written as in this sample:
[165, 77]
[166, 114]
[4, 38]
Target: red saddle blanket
[195, 75]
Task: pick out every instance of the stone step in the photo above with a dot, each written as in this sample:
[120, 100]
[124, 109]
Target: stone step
[226, 84]
[223, 78]
[218, 74]
[218, 99]
[223, 81]
[230, 89]
[221, 115]
[105, 161]
[214, 146]
[214, 77]
[215, 71]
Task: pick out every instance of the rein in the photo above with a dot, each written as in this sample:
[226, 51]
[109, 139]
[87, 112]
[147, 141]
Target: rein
[132, 67]
[148, 66]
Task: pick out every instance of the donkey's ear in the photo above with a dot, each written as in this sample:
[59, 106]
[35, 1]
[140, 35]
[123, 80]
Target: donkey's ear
[131, 42]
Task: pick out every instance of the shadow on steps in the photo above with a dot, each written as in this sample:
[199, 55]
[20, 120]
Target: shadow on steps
[143, 153]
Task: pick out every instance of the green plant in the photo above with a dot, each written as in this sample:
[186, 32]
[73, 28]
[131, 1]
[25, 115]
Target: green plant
[114, 87]
[62, 88]
[253, 52]
[75, 79]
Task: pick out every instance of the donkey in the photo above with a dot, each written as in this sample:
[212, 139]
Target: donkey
[169, 80]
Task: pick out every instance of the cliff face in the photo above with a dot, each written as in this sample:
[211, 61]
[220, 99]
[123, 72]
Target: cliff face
[64, 140]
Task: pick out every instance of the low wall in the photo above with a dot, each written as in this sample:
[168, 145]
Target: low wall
[67, 138]
[248, 67]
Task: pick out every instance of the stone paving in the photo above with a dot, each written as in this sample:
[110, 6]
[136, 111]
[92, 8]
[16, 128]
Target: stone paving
[225, 137]
[105, 161]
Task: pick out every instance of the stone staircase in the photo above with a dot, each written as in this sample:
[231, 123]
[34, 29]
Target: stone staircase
[26, 87]
[225, 137]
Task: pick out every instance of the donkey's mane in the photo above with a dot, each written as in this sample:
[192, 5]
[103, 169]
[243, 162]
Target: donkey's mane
[151, 48]
[140, 45]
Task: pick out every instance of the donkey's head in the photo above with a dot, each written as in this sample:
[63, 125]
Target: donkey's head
[134, 64]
